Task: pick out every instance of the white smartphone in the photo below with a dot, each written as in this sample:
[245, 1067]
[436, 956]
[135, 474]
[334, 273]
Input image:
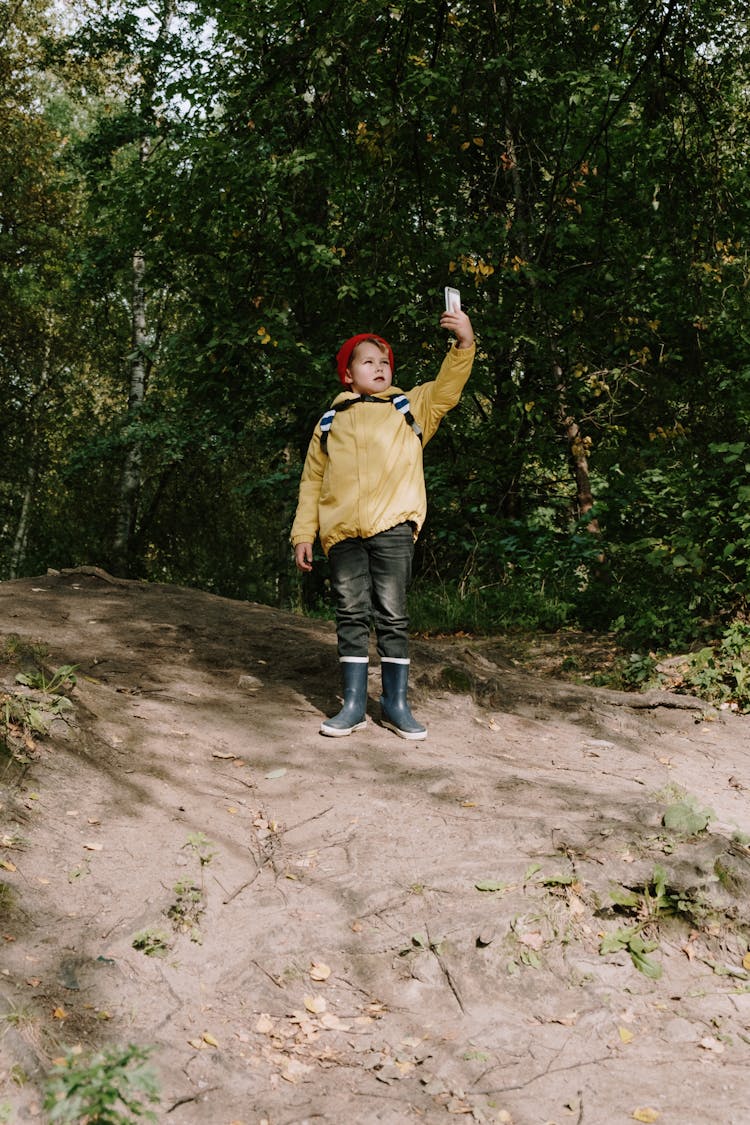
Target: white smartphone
[452, 300]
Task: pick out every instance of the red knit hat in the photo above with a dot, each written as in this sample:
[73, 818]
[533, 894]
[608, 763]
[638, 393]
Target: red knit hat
[345, 352]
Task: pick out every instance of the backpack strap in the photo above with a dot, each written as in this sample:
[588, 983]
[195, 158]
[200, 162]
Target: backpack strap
[403, 406]
[399, 401]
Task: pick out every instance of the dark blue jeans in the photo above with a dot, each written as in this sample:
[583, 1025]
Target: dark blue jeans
[370, 578]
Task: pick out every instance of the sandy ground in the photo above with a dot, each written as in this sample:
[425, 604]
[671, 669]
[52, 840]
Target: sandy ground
[365, 929]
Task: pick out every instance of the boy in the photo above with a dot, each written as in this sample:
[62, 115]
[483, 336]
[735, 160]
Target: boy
[363, 491]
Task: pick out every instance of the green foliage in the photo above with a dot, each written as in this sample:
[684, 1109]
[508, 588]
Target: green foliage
[111, 1087]
[687, 818]
[720, 672]
[49, 684]
[202, 847]
[152, 941]
[185, 912]
[651, 905]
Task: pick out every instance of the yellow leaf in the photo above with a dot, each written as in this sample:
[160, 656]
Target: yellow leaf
[198, 1044]
[319, 971]
[626, 1036]
[746, 961]
[8, 864]
[208, 1038]
[315, 1004]
[59, 1014]
[646, 1114]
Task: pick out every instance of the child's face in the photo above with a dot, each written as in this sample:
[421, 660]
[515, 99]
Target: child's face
[369, 370]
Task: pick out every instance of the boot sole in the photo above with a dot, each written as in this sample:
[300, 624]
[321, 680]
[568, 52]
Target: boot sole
[335, 732]
[412, 736]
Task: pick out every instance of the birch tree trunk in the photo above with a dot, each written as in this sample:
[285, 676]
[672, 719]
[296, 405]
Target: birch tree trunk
[130, 483]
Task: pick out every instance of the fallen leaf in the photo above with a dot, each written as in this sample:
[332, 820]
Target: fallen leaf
[576, 905]
[646, 1114]
[275, 773]
[59, 1014]
[746, 961]
[319, 971]
[34, 982]
[209, 1039]
[197, 1044]
[490, 885]
[711, 1044]
[333, 1023]
[294, 1070]
[91, 847]
[8, 865]
[315, 1004]
[226, 754]
[264, 1024]
[626, 1036]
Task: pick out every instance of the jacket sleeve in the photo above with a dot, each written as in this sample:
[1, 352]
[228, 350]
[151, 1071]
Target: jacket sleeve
[430, 402]
[306, 520]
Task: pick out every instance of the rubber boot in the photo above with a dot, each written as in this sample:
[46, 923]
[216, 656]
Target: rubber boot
[395, 710]
[352, 715]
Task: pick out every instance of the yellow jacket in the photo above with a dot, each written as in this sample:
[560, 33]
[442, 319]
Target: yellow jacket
[371, 477]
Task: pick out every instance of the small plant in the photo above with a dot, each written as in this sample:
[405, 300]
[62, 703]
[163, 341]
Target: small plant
[687, 817]
[49, 684]
[201, 846]
[17, 1017]
[186, 911]
[152, 942]
[650, 906]
[111, 1087]
[22, 719]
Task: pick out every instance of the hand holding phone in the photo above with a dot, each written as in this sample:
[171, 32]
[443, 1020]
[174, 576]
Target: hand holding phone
[452, 300]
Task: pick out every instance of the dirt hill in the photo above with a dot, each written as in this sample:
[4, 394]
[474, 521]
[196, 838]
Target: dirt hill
[538, 915]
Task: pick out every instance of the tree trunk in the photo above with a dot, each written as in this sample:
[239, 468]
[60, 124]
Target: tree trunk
[131, 474]
[577, 451]
[130, 484]
[18, 552]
